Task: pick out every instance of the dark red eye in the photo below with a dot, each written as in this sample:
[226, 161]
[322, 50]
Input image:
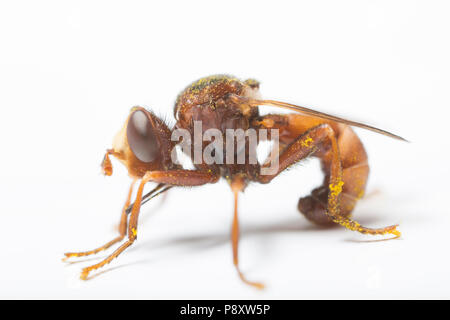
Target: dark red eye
[141, 137]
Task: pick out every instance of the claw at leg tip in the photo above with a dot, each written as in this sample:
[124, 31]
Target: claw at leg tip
[259, 286]
[84, 275]
[395, 232]
[67, 256]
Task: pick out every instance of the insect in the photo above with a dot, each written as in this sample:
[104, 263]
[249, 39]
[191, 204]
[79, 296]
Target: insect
[221, 102]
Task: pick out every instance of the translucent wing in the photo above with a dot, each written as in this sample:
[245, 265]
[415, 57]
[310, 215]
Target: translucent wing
[323, 116]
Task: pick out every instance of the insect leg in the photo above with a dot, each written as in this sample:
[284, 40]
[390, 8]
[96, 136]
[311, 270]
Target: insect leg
[355, 172]
[122, 231]
[236, 187]
[181, 177]
[304, 146]
[174, 177]
[132, 232]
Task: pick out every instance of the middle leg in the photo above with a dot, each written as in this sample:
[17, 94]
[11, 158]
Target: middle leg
[236, 187]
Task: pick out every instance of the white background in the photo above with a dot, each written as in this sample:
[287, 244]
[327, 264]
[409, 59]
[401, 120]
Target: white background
[71, 70]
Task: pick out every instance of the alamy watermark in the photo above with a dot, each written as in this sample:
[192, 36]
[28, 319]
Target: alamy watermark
[213, 153]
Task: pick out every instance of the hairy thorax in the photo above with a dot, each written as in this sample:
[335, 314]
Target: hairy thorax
[207, 100]
[210, 102]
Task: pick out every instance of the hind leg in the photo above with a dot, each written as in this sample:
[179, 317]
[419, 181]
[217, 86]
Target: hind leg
[307, 144]
[314, 206]
[355, 172]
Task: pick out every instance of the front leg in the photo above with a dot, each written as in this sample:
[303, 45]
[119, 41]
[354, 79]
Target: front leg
[122, 231]
[172, 177]
[304, 146]
[132, 232]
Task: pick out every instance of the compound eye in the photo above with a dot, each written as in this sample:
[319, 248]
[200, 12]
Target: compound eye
[141, 137]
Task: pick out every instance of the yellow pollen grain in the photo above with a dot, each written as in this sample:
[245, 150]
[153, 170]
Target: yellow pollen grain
[336, 189]
[307, 142]
[133, 230]
[360, 194]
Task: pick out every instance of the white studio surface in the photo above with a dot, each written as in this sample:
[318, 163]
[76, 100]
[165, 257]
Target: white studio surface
[71, 71]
